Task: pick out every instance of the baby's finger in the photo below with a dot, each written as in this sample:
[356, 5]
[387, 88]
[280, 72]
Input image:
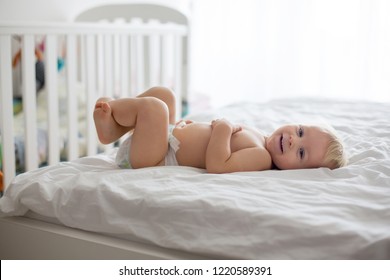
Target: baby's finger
[236, 129]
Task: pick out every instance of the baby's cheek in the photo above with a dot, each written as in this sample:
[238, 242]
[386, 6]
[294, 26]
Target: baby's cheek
[285, 162]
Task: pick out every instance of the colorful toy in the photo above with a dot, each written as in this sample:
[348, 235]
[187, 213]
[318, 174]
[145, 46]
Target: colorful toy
[1, 182]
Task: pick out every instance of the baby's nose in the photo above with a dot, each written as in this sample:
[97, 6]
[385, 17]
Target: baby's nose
[291, 140]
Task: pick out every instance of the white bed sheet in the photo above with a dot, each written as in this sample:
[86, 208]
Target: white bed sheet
[296, 214]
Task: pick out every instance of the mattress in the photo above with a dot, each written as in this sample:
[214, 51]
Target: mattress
[292, 214]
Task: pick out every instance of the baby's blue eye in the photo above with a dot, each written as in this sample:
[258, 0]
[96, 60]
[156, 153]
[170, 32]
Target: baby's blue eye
[301, 153]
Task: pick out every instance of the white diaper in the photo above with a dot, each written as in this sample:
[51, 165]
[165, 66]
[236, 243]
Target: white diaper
[122, 157]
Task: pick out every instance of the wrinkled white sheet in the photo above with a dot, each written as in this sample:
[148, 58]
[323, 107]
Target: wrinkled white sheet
[296, 214]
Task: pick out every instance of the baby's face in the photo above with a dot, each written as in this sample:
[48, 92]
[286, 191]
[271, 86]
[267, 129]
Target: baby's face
[298, 146]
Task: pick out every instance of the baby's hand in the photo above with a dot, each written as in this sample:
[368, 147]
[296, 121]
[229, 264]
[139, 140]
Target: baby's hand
[188, 121]
[224, 122]
[182, 123]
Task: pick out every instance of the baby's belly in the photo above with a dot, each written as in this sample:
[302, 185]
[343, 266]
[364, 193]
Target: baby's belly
[194, 139]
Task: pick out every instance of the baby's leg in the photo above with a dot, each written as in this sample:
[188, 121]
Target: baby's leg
[167, 96]
[148, 114]
[149, 118]
[107, 128]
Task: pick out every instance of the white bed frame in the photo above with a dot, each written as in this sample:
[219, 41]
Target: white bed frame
[115, 59]
[26, 238]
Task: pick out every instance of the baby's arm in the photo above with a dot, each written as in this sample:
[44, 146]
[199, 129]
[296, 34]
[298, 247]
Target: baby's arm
[218, 150]
[220, 159]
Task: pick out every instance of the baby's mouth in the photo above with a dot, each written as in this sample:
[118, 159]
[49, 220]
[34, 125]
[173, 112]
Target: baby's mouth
[281, 143]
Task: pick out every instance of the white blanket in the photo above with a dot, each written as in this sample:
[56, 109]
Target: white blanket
[296, 214]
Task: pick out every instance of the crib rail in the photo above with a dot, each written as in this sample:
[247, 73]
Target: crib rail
[109, 59]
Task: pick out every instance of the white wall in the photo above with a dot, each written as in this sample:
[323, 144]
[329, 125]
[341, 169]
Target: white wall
[42, 10]
[256, 50]
[60, 10]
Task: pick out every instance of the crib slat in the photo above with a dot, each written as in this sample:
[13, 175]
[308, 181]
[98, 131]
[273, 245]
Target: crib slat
[178, 72]
[6, 111]
[109, 70]
[29, 102]
[139, 62]
[100, 64]
[168, 51]
[72, 97]
[124, 66]
[116, 65]
[52, 98]
[82, 61]
[133, 66]
[91, 96]
[108, 66]
[154, 60]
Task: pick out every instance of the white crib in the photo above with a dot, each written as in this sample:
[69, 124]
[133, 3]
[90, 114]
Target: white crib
[121, 58]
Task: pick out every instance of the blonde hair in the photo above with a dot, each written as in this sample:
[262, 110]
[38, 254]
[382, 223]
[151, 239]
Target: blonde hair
[335, 155]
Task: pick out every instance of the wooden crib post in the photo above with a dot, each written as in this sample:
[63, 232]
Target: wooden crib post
[154, 44]
[139, 62]
[6, 111]
[178, 69]
[90, 51]
[108, 65]
[29, 102]
[72, 103]
[52, 96]
[124, 66]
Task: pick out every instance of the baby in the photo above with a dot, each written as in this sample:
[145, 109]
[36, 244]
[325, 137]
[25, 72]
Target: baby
[219, 147]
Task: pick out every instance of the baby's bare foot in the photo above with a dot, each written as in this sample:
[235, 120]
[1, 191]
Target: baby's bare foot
[103, 105]
[104, 121]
